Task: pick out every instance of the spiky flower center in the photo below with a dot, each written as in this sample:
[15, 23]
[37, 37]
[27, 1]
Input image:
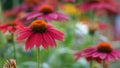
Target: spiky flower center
[46, 9]
[39, 26]
[104, 47]
[11, 23]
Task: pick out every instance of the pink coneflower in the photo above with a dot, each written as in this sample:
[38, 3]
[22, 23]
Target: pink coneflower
[99, 5]
[30, 4]
[48, 13]
[40, 33]
[27, 6]
[11, 26]
[104, 51]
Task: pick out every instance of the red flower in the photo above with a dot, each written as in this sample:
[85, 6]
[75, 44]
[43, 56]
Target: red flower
[107, 5]
[40, 33]
[11, 26]
[46, 12]
[104, 51]
[27, 6]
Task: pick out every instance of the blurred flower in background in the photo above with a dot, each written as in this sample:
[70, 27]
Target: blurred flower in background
[83, 24]
[46, 12]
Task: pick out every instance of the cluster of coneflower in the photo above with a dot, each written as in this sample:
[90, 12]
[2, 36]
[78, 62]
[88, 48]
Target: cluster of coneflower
[39, 31]
[34, 24]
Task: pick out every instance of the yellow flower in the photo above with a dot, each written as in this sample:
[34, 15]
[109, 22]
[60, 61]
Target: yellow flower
[70, 9]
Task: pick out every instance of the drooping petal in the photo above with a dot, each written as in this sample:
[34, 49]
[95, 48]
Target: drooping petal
[96, 54]
[114, 55]
[57, 34]
[44, 43]
[117, 52]
[109, 57]
[53, 15]
[49, 39]
[103, 55]
[48, 18]
[33, 16]
[20, 31]
[38, 40]
[88, 52]
[85, 53]
[62, 17]
[30, 42]
[24, 35]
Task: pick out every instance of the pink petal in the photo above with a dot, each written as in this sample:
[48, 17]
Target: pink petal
[110, 57]
[30, 42]
[20, 31]
[53, 15]
[57, 34]
[44, 43]
[103, 55]
[88, 52]
[49, 19]
[63, 16]
[49, 39]
[117, 52]
[96, 54]
[115, 57]
[24, 35]
[38, 40]
[33, 16]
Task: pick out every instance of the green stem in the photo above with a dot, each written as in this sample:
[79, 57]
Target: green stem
[104, 64]
[91, 64]
[13, 43]
[38, 58]
[1, 13]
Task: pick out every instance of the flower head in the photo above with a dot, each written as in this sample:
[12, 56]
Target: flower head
[104, 47]
[104, 51]
[99, 5]
[11, 26]
[39, 26]
[46, 9]
[40, 33]
[27, 6]
[46, 12]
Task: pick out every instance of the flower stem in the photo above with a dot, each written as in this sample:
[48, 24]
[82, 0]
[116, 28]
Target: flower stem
[104, 64]
[1, 12]
[13, 43]
[91, 64]
[38, 58]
